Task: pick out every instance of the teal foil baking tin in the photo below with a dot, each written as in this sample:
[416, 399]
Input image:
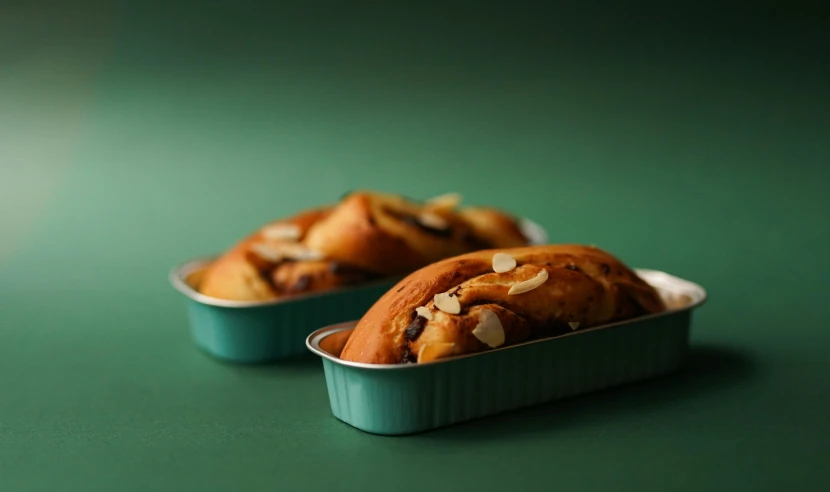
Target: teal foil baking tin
[255, 332]
[412, 398]
[263, 331]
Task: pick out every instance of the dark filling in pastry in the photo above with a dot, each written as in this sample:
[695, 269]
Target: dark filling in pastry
[474, 242]
[413, 331]
[345, 275]
[408, 357]
[302, 283]
[413, 221]
[461, 234]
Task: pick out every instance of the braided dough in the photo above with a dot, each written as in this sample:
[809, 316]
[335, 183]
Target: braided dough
[366, 236]
[461, 305]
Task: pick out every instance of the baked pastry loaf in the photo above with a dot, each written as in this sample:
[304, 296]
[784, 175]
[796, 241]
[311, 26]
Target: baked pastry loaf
[366, 236]
[493, 298]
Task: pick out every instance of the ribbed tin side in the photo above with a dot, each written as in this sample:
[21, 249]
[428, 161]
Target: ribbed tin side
[435, 395]
[270, 332]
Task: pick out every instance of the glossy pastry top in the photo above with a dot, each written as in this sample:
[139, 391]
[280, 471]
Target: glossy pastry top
[488, 299]
[364, 237]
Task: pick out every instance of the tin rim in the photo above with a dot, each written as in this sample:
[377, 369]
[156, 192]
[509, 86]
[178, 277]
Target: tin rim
[535, 234]
[659, 280]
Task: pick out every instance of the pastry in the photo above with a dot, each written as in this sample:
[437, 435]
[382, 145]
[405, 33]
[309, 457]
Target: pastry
[496, 298]
[365, 236]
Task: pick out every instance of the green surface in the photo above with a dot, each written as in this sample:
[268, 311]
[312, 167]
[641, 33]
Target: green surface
[135, 136]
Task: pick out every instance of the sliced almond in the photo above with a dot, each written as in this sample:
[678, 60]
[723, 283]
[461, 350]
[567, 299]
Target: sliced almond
[573, 324]
[435, 351]
[290, 232]
[282, 251]
[447, 303]
[299, 252]
[529, 284]
[489, 329]
[448, 201]
[503, 262]
[306, 255]
[433, 221]
[267, 252]
[424, 312]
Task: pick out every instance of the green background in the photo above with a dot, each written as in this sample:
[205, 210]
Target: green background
[136, 135]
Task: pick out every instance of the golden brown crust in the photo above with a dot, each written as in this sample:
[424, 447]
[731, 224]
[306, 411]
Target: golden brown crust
[584, 285]
[352, 234]
[238, 274]
[366, 236]
[495, 227]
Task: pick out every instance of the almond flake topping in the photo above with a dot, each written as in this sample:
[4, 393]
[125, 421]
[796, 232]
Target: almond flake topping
[489, 329]
[573, 324]
[302, 253]
[503, 262]
[529, 284]
[290, 232]
[424, 312]
[447, 303]
[446, 202]
[278, 252]
[433, 221]
[267, 252]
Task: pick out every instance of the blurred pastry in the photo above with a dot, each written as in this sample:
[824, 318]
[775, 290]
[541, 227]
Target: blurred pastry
[366, 236]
